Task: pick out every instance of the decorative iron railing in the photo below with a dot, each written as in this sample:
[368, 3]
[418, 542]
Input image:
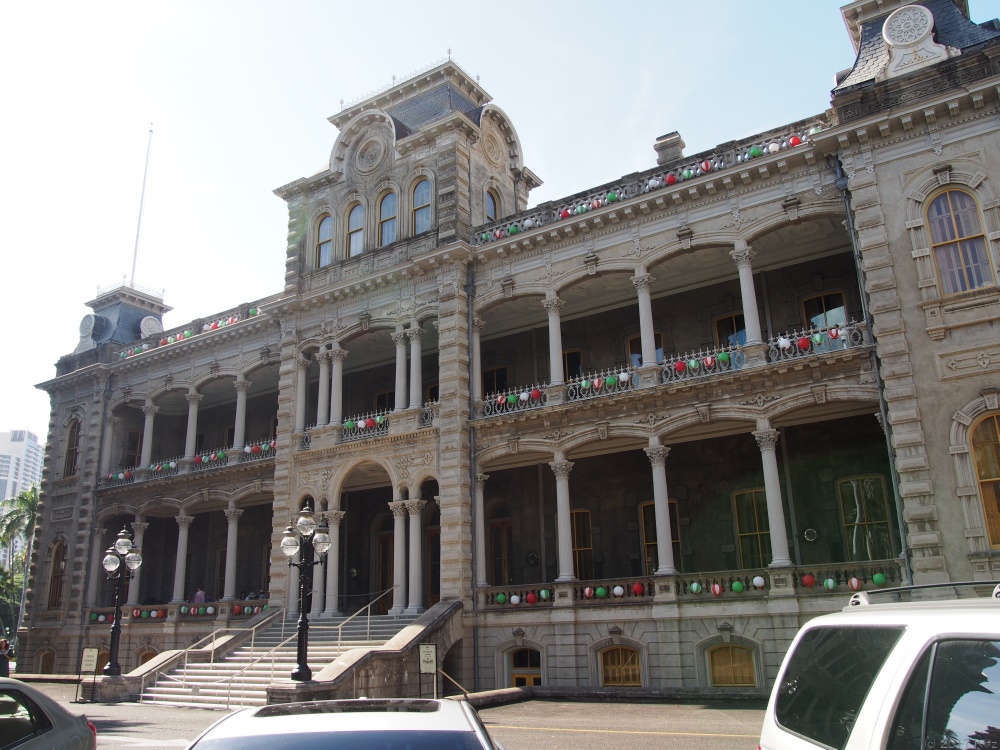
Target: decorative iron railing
[428, 414]
[165, 467]
[817, 340]
[603, 383]
[702, 364]
[210, 459]
[259, 449]
[364, 426]
[122, 475]
[513, 400]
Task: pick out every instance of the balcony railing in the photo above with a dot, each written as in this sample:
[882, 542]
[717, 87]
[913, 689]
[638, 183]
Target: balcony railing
[373, 424]
[122, 475]
[513, 400]
[808, 341]
[701, 364]
[259, 449]
[211, 459]
[428, 414]
[165, 467]
[603, 383]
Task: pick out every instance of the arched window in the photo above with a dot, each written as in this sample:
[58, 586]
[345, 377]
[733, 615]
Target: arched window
[958, 243]
[422, 206]
[72, 448]
[621, 666]
[491, 206]
[731, 666]
[57, 574]
[387, 220]
[356, 231]
[324, 242]
[986, 449]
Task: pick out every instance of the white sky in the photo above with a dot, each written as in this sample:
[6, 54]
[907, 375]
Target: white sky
[238, 92]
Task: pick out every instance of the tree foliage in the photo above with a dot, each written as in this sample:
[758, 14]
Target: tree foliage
[17, 515]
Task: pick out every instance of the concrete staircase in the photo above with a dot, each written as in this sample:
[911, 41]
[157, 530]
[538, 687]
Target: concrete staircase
[242, 677]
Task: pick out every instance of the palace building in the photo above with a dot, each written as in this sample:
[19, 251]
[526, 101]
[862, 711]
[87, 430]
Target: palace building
[632, 437]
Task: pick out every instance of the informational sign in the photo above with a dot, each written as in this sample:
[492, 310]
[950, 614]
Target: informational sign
[89, 662]
[428, 658]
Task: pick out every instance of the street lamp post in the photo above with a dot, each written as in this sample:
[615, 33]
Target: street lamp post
[123, 551]
[309, 539]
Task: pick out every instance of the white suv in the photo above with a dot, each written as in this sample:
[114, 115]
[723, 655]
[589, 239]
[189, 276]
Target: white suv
[904, 675]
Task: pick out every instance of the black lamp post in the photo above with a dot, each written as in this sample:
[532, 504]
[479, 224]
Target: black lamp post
[309, 539]
[125, 552]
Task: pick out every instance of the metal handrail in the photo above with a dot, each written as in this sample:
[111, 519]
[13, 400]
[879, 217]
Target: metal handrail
[368, 626]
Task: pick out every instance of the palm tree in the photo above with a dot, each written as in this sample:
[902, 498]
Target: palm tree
[17, 515]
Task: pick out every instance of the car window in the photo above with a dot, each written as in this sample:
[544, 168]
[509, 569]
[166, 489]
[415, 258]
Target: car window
[952, 700]
[20, 718]
[371, 740]
[827, 678]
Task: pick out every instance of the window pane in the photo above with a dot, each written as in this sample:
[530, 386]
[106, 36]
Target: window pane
[731, 330]
[387, 232]
[422, 207]
[939, 215]
[357, 243]
[421, 220]
[388, 207]
[975, 259]
[964, 703]
[905, 732]
[986, 449]
[356, 219]
[828, 678]
[966, 214]
[948, 264]
[491, 207]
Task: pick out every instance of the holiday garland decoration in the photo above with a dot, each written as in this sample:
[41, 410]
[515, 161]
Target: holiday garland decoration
[174, 338]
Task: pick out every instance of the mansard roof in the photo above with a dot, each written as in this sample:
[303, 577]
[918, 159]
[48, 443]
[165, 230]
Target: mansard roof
[429, 106]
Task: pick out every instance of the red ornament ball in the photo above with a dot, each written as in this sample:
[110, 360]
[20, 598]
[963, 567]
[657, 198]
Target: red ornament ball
[706, 166]
[854, 584]
[834, 333]
[588, 592]
[638, 588]
[794, 141]
[803, 343]
[671, 179]
[136, 613]
[717, 589]
[679, 367]
[535, 394]
[255, 449]
[564, 214]
[531, 597]
[809, 580]
[237, 609]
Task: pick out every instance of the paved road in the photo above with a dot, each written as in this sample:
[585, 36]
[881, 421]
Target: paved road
[535, 724]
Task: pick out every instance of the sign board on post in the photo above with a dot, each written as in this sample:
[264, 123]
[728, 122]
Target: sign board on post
[89, 661]
[428, 658]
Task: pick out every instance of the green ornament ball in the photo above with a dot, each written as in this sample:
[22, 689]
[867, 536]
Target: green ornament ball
[612, 197]
[201, 610]
[694, 587]
[723, 356]
[610, 381]
[263, 608]
[501, 598]
[511, 398]
[879, 579]
[585, 384]
[485, 236]
[737, 586]
[817, 338]
[93, 615]
[184, 610]
[601, 592]
[513, 229]
[829, 584]
[755, 152]
[145, 614]
[687, 174]
[349, 424]
[544, 595]
[379, 419]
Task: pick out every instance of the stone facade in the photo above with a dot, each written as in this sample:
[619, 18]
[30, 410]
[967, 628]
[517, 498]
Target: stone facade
[641, 433]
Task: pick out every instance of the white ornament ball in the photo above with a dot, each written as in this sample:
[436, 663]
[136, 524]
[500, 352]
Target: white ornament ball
[758, 582]
[524, 396]
[246, 448]
[529, 223]
[210, 610]
[515, 599]
[173, 464]
[618, 591]
[623, 377]
[784, 343]
[773, 148]
[101, 618]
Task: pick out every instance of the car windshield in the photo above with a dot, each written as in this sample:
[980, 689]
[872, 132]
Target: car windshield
[828, 677]
[368, 740]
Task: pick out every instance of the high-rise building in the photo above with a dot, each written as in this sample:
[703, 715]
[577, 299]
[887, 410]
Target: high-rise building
[631, 437]
[20, 467]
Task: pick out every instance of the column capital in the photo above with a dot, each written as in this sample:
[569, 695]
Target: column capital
[338, 355]
[398, 508]
[643, 282]
[561, 468]
[184, 521]
[743, 254]
[415, 507]
[242, 386]
[553, 305]
[193, 398]
[233, 514]
[481, 481]
[766, 439]
[303, 362]
[478, 324]
[150, 409]
[657, 454]
[139, 527]
[399, 338]
[415, 333]
[334, 517]
[321, 355]
[99, 532]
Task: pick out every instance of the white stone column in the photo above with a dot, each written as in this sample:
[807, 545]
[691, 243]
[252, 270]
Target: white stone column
[481, 578]
[767, 439]
[661, 506]
[240, 427]
[108, 445]
[147, 435]
[642, 282]
[323, 402]
[334, 518]
[553, 304]
[337, 357]
[416, 599]
[744, 255]
[398, 509]
[180, 567]
[318, 582]
[191, 438]
[564, 518]
[293, 585]
[301, 384]
[414, 333]
[96, 569]
[138, 530]
[399, 338]
[477, 360]
[232, 540]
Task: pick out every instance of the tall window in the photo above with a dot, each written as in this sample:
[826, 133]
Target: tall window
[57, 575]
[356, 231]
[651, 555]
[491, 206]
[731, 666]
[621, 666]
[387, 220]
[422, 207]
[865, 515]
[385, 401]
[133, 448]
[525, 667]
[494, 380]
[730, 330]
[825, 310]
[986, 448]
[572, 363]
[753, 538]
[501, 539]
[324, 242]
[635, 349]
[958, 243]
[583, 546]
[72, 448]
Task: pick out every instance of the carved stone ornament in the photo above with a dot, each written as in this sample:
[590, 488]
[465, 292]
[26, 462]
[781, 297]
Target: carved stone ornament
[907, 32]
[370, 155]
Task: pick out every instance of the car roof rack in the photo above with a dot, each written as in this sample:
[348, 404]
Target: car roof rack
[864, 598]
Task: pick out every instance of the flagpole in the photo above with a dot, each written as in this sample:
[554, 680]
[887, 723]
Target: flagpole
[142, 197]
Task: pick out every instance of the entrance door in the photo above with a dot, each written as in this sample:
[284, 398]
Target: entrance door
[432, 566]
[383, 570]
